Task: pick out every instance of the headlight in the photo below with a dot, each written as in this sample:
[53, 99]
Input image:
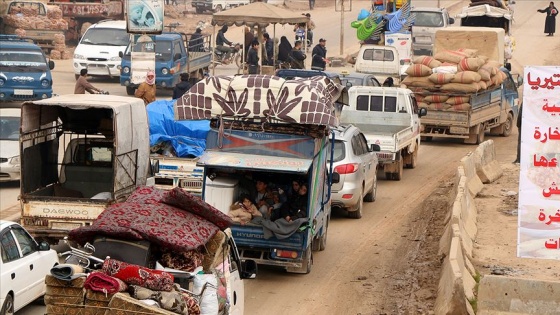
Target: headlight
[45, 82]
[76, 56]
[14, 160]
[126, 70]
[2, 82]
[115, 58]
[164, 71]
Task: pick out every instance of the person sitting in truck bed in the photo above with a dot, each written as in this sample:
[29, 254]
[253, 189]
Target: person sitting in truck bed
[243, 210]
[263, 198]
[296, 207]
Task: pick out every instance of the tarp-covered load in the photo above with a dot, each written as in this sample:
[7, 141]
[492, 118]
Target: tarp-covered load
[308, 101]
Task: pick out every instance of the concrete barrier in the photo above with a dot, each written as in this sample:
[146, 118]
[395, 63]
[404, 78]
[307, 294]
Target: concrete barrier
[474, 183]
[506, 295]
[487, 168]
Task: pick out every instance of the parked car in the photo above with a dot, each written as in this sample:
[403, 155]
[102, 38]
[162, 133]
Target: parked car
[350, 79]
[9, 144]
[23, 267]
[356, 163]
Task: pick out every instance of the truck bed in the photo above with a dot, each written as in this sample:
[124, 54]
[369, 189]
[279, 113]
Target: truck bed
[199, 60]
[387, 130]
[252, 235]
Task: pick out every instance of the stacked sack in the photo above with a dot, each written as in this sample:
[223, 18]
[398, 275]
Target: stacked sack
[60, 50]
[446, 81]
[29, 18]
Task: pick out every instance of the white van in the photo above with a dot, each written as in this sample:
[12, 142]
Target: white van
[98, 49]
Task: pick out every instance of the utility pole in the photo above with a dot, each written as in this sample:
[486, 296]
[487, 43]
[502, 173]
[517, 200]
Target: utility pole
[339, 6]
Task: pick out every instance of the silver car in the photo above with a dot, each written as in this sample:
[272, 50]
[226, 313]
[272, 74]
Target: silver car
[9, 144]
[356, 163]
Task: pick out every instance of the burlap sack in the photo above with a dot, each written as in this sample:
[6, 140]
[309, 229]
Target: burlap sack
[454, 100]
[440, 78]
[59, 38]
[465, 77]
[418, 70]
[469, 64]
[494, 63]
[428, 61]
[422, 82]
[451, 56]
[423, 105]
[485, 73]
[461, 87]
[462, 107]
[54, 12]
[468, 52]
[55, 54]
[482, 84]
[498, 78]
[436, 98]
[20, 32]
[438, 106]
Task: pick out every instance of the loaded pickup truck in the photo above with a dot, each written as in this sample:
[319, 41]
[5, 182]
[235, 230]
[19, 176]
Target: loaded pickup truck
[382, 61]
[170, 55]
[388, 117]
[426, 22]
[79, 154]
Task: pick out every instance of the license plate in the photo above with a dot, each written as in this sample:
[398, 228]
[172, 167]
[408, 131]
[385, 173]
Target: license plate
[65, 226]
[23, 92]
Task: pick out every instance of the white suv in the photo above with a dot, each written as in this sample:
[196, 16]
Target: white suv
[98, 49]
[357, 164]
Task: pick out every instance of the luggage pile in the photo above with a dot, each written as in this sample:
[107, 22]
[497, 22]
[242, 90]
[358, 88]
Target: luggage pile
[447, 80]
[160, 252]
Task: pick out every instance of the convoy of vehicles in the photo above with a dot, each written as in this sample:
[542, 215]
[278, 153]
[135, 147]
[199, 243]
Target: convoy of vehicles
[356, 163]
[388, 117]
[99, 49]
[23, 267]
[169, 55]
[217, 5]
[427, 20]
[26, 73]
[79, 153]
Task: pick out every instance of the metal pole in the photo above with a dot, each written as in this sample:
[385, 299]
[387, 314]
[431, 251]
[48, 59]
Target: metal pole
[342, 27]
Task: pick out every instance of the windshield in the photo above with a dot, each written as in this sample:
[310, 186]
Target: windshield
[9, 128]
[428, 19]
[21, 60]
[105, 36]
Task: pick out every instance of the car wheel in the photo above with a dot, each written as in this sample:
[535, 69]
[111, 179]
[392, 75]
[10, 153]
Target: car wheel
[370, 196]
[8, 306]
[507, 126]
[130, 90]
[357, 214]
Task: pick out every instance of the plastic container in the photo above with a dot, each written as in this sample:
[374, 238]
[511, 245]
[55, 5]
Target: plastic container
[221, 193]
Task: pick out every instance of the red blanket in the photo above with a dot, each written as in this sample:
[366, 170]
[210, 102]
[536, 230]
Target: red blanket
[133, 274]
[101, 282]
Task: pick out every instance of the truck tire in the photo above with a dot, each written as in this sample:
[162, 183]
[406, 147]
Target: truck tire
[357, 214]
[218, 8]
[507, 126]
[199, 10]
[306, 263]
[413, 159]
[399, 174]
[320, 243]
[130, 90]
[477, 136]
[372, 194]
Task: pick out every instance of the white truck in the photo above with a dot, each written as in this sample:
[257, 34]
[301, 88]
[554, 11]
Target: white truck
[427, 21]
[390, 118]
[381, 61]
[79, 153]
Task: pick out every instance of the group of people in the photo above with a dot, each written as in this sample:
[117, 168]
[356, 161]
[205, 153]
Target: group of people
[271, 204]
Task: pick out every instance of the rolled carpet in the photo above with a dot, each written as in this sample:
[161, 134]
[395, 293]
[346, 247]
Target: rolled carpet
[101, 282]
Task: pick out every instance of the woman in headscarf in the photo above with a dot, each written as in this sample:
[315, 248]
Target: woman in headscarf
[147, 89]
[284, 49]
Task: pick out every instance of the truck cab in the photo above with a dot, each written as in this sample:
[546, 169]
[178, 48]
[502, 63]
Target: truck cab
[381, 61]
[172, 57]
[79, 153]
[426, 22]
[26, 73]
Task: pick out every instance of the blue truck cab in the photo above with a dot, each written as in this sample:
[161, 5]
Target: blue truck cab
[25, 73]
[172, 57]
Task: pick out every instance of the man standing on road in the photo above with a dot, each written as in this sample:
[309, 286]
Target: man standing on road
[297, 56]
[82, 84]
[319, 56]
[311, 4]
[253, 58]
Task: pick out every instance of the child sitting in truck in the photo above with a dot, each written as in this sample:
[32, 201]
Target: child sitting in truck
[296, 207]
[243, 210]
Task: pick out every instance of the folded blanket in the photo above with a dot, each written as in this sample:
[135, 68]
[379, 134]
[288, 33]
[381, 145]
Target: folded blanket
[280, 228]
[67, 271]
[138, 275]
[171, 301]
[101, 282]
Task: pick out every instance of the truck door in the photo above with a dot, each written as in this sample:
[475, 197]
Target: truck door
[179, 56]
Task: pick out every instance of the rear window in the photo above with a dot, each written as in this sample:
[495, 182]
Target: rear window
[428, 19]
[339, 152]
[378, 55]
[106, 37]
[374, 103]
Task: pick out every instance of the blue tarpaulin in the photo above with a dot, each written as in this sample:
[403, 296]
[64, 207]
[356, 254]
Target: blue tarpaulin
[187, 137]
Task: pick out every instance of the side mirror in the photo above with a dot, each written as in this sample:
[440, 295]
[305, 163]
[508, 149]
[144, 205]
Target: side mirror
[375, 147]
[348, 84]
[422, 112]
[51, 64]
[451, 20]
[44, 246]
[248, 269]
[335, 178]
[507, 65]
[121, 54]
